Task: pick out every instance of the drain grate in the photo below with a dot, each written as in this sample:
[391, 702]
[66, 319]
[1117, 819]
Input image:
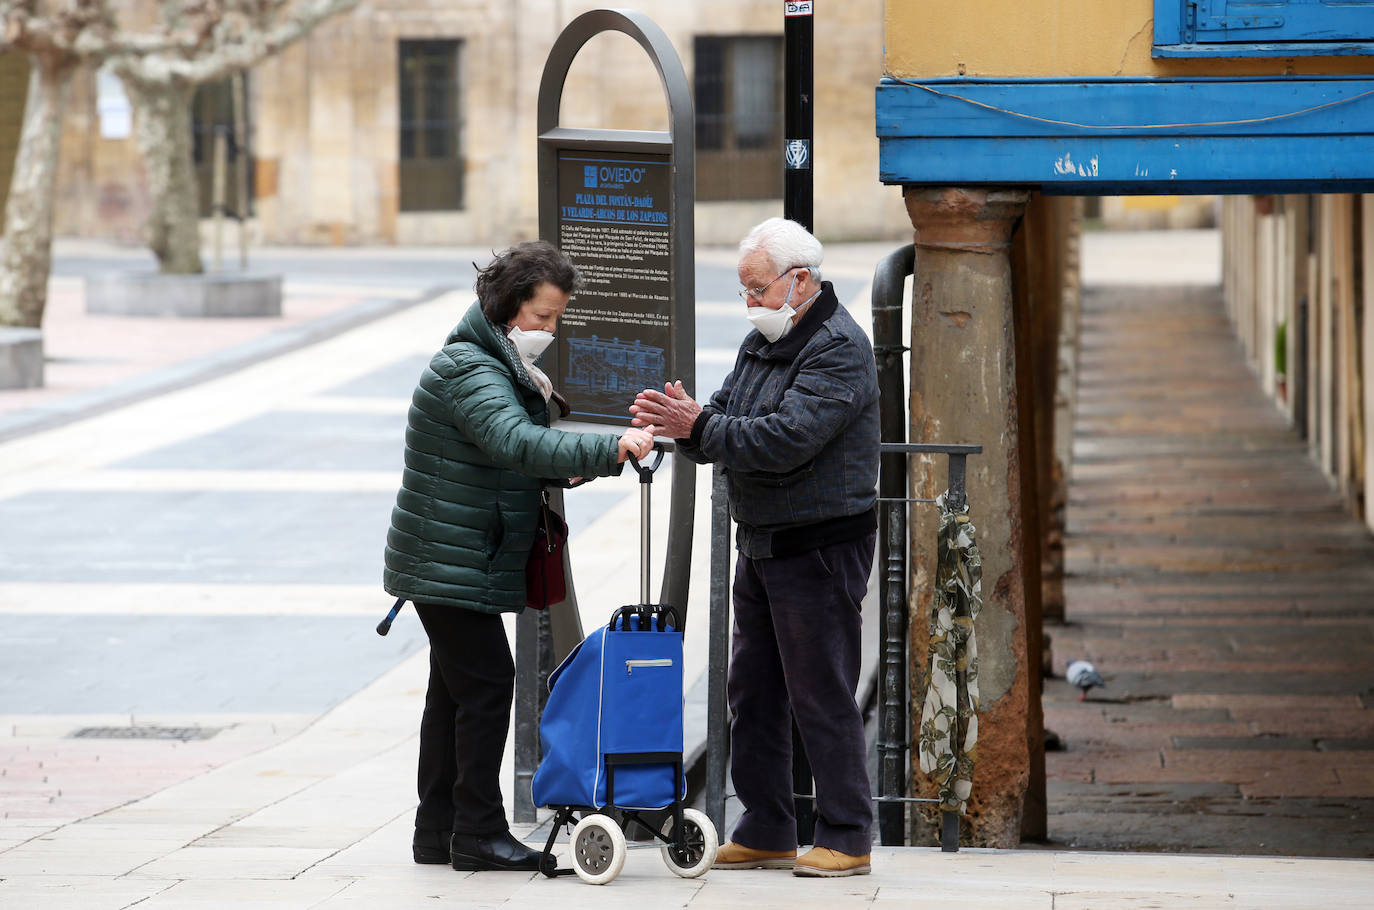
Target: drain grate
[185, 734]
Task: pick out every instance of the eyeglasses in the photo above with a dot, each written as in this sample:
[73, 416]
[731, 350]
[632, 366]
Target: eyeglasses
[757, 293]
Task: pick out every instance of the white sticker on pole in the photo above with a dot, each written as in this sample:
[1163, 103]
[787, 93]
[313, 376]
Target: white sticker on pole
[797, 7]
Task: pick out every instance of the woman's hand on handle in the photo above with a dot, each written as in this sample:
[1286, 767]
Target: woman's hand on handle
[636, 442]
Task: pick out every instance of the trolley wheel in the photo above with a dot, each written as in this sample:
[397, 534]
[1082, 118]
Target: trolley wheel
[693, 849]
[598, 849]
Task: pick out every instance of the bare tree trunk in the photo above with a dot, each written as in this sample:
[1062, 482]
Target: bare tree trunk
[162, 126]
[26, 248]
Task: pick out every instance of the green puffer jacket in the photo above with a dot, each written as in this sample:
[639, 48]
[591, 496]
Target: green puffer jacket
[478, 452]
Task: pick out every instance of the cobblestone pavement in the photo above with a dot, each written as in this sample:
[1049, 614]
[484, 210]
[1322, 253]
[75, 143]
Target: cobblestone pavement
[1222, 591]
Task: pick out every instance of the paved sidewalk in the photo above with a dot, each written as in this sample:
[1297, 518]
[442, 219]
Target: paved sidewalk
[323, 819]
[1219, 586]
[97, 362]
[304, 796]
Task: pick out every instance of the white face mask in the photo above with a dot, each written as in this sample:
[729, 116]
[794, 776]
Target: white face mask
[773, 324]
[530, 344]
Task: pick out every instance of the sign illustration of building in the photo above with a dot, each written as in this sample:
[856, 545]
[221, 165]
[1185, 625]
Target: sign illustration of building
[598, 366]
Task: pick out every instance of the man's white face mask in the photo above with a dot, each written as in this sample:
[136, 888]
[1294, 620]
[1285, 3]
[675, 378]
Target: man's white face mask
[530, 345]
[773, 324]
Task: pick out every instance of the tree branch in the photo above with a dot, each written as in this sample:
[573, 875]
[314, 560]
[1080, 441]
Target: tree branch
[56, 34]
[243, 34]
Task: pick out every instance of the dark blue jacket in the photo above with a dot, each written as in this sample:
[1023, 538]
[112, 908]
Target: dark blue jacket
[796, 428]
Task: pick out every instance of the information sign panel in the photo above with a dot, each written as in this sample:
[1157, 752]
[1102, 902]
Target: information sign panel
[615, 222]
[619, 204]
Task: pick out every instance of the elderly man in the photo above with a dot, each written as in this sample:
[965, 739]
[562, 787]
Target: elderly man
[795, 428]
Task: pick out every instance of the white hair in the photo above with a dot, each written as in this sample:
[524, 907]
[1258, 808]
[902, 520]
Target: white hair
[787, 244]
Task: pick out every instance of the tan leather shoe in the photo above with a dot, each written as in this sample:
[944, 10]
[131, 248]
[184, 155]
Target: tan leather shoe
[738, 856]
[822, 862]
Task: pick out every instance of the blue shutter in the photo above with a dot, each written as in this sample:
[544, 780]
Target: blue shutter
[1268, 21]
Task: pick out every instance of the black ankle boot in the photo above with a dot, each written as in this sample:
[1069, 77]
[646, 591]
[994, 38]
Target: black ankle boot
[476, 852]
[430, 846]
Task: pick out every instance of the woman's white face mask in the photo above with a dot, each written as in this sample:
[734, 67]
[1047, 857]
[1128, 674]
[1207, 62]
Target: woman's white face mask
[530, 345]
[773, 324]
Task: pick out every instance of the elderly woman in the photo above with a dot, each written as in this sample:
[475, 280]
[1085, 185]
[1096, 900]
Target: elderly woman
[479, 451]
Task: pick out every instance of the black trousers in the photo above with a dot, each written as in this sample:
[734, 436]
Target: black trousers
[797, 652]
[467, 716]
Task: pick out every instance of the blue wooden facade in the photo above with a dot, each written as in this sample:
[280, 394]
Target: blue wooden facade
[1114, 136]
[1263, 28]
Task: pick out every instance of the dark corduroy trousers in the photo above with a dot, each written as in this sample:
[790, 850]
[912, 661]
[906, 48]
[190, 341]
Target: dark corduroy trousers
[797, 651]
[467, 715]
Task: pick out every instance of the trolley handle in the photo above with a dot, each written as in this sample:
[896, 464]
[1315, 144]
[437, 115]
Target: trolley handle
[668, 617]
[646, 471]
[646, 477]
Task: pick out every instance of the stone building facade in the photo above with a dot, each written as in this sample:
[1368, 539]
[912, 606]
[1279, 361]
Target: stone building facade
[413, 122]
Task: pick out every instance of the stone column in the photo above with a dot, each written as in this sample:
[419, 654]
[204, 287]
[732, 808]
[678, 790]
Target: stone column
[1034, 257]
[1065, 397]
[963, 390]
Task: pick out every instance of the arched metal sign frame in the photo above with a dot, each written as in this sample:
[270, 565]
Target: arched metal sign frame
[675, 149]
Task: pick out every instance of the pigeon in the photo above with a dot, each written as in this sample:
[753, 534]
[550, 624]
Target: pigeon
[1083, 675]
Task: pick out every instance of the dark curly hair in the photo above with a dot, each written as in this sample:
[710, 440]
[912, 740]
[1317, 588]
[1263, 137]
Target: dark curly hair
[512, 277]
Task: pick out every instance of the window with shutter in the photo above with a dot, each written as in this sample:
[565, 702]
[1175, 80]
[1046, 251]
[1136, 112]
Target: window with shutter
[738, 90]
[1273, 28]
[431, 138]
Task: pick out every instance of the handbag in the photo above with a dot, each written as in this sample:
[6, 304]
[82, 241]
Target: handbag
[544, 582]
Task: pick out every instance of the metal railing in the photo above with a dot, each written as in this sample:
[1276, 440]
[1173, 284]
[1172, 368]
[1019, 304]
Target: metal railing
[894, 709]
[894, 714]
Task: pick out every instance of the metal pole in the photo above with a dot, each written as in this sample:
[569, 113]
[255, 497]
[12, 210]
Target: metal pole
[798, 128]
[957, 465]
[241, 164]
[797, 206]
[645, 480]
[949, 832]
[889, 283]
[217, 191]
[949, 821]
[526, 714]
[893, 721]
[718, 654]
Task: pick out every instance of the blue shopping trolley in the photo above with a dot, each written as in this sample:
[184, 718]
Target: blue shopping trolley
[612, 738]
